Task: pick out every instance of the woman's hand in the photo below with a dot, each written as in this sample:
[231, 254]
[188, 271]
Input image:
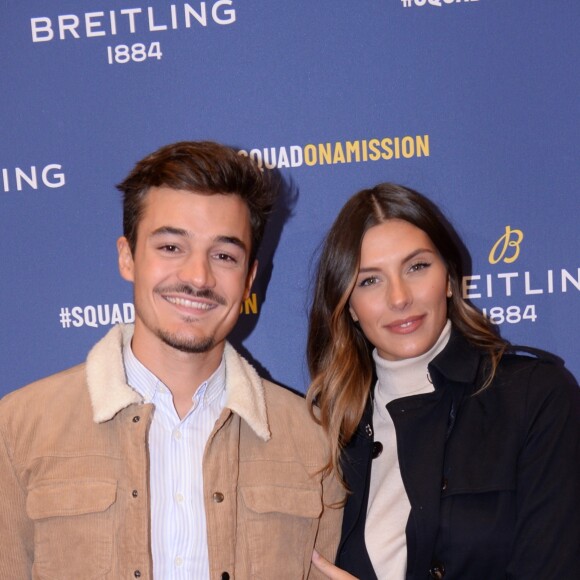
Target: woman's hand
[328, 569]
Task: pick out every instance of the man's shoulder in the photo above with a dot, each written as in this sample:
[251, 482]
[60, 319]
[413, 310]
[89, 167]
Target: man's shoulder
[284, 396]
[284, 393]
[289, 408]
[294, 434]
[45, 392]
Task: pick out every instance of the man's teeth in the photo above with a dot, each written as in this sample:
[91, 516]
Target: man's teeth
[189, 303]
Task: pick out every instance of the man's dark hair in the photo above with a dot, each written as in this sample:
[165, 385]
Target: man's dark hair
[202, 167]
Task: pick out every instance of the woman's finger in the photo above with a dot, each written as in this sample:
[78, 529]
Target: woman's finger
[328, 569]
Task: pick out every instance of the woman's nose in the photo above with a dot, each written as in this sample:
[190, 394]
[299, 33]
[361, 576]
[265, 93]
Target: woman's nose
[399, 295]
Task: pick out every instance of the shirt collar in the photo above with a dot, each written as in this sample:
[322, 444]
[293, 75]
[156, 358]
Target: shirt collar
[140, 378]
[109, 391]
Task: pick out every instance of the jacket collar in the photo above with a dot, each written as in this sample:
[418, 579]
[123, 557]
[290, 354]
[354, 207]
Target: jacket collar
[458, 362]
[110, 393]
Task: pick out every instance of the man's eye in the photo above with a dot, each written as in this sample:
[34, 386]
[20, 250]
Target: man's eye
[170, 248]
[225, 257]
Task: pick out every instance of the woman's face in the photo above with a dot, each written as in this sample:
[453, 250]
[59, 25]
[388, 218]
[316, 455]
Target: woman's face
[400, 294]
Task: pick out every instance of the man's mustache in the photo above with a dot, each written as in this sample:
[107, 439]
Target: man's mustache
[206, 293]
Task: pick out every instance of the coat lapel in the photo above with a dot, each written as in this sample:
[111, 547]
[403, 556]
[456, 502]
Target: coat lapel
[421, 424]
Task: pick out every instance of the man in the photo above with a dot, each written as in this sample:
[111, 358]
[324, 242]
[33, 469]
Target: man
[165, 455]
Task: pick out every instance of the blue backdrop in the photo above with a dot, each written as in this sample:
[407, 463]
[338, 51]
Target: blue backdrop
[474, 103]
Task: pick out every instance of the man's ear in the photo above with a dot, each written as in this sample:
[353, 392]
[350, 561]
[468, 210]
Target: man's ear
[126, 264]
[250, 279]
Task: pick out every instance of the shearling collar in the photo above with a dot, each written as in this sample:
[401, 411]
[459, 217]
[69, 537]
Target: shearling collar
[110, 393]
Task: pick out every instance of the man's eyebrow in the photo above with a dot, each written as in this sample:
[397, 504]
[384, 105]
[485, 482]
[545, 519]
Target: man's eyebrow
[231, 240]
[169, 230]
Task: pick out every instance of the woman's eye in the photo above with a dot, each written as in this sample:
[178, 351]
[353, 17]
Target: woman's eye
[368, 281]
[419, 266]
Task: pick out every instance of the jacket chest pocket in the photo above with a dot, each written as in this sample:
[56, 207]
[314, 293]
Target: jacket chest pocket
[280, 526]
[73, 528]
[477, 526]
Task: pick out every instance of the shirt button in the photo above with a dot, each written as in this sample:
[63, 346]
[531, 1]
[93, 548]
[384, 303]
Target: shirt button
[178, 561]
[179, 497]
[177, 435]
[134, 493]
[218, 498]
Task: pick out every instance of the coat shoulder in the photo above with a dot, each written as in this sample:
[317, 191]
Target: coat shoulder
[535, 370]
[536, 387]
[287, 403]
[44, 410]
[39, 396]
[290, 418]
[281, 400]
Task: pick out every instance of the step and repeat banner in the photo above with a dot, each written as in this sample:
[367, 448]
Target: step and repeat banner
[473, 102]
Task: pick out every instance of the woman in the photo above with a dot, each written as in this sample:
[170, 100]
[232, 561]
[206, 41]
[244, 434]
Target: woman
[461, 456]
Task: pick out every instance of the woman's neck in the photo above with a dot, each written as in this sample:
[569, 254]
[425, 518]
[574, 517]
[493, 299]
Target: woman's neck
[408, 376]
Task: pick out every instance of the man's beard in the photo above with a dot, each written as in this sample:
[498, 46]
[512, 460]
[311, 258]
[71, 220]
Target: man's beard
[187, 344]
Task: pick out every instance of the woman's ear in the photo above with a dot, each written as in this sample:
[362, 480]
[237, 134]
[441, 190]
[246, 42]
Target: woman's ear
[353, 314]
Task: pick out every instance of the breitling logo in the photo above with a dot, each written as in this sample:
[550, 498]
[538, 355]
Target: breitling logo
[507, 248]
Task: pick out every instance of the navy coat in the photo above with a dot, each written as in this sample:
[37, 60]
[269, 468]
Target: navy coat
[493, 479]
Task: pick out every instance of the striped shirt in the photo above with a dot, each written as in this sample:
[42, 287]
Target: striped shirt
[176, 446]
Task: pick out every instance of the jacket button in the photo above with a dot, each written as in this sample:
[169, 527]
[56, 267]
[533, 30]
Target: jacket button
[225, 576]
[137, 574]
[377, 449]
[444, 484]
[134, 493]
[136, 419]
[218, 498]
[437, 571]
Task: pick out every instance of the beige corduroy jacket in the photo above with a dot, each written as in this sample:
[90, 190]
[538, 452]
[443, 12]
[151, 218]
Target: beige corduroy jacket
[74, 499]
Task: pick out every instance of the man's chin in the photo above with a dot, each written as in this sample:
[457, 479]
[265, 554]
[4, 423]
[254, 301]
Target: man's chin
[189, 344]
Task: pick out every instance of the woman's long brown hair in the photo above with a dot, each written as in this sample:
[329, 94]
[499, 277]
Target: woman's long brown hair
[339, 355]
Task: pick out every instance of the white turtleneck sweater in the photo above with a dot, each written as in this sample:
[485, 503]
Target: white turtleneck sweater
[388, 508]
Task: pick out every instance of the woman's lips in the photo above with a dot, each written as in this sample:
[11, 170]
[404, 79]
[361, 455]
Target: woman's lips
[406, 325]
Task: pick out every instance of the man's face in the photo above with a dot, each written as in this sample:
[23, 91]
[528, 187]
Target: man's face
[190, 269]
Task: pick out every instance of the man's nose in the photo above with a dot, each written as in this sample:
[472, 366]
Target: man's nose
[198, 272]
